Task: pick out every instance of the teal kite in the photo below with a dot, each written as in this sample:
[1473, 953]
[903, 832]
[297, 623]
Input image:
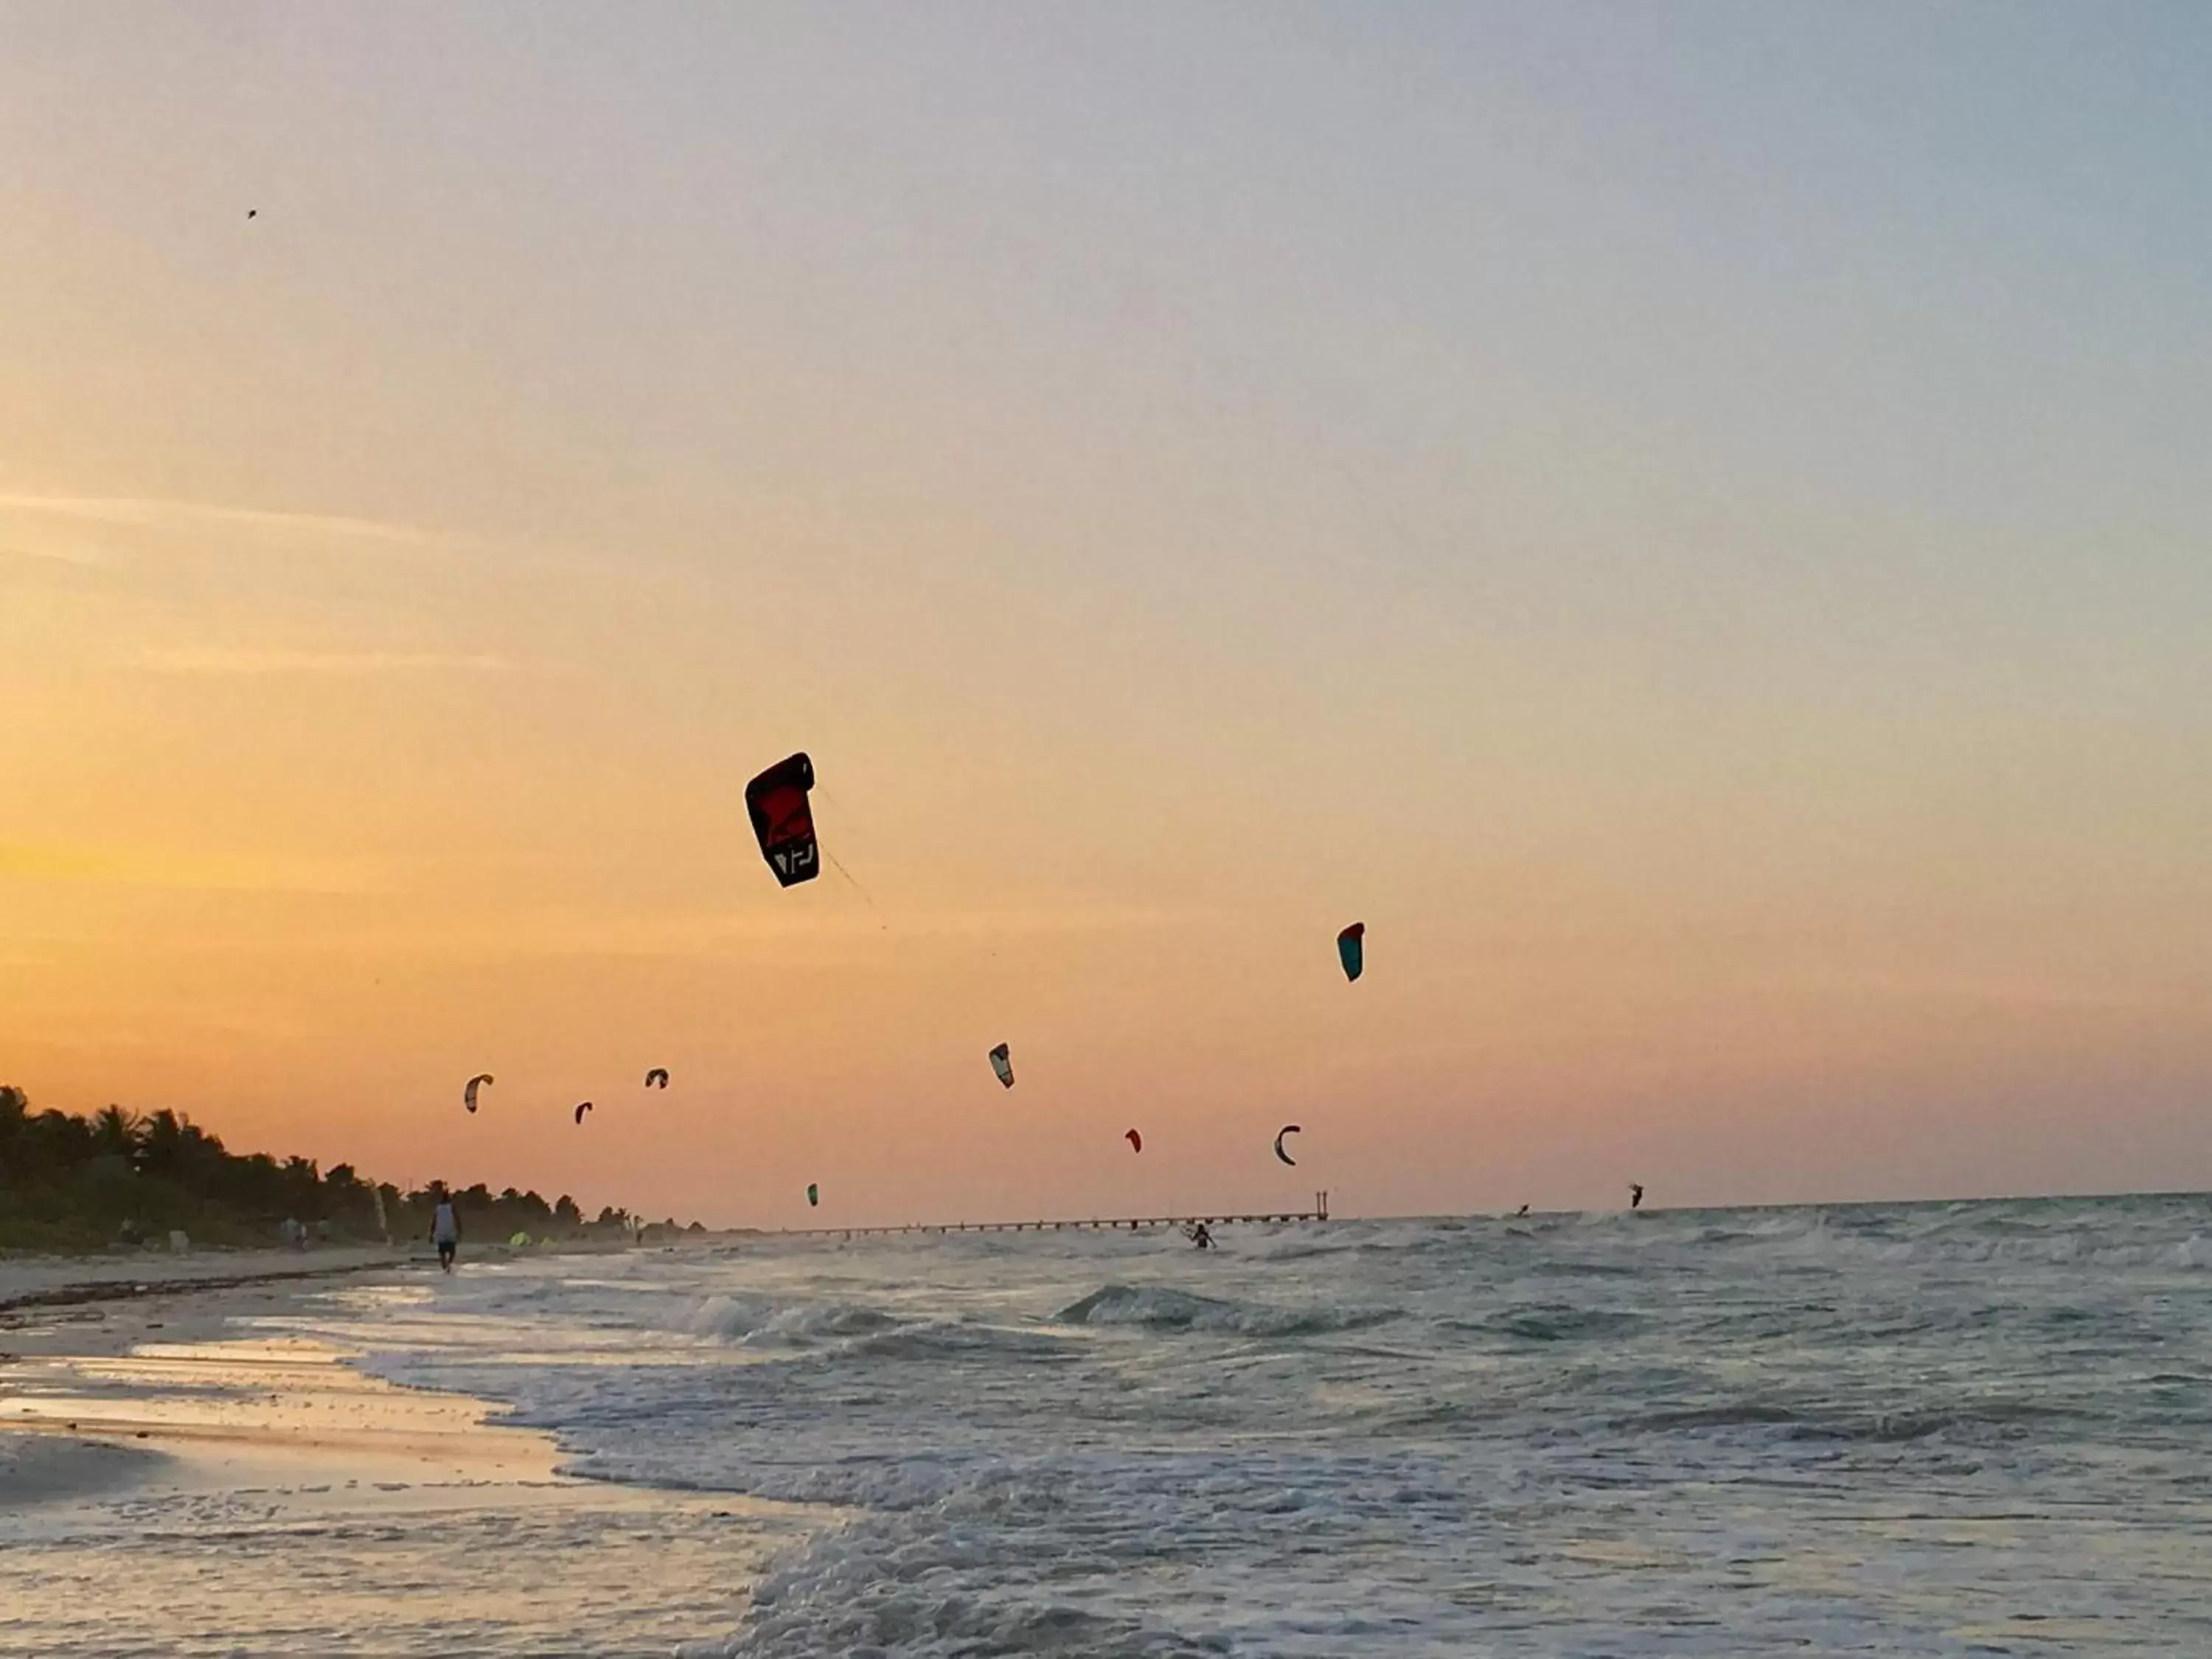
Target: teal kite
[1350, 949]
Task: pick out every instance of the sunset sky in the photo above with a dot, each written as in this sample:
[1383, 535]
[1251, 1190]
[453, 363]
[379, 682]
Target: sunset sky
[1694, 523]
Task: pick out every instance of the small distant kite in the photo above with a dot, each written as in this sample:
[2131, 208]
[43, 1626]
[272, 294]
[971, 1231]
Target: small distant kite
[1002, 1063]
[657, 1078]
[251, 212]
[1136, 1141]
[1287, 1129]
[468, 1094]
[783, 821]
[582, 1107]
[1350, 951]
[813, 1194]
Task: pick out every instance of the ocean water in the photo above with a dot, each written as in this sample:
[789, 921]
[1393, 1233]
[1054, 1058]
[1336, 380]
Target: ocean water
[1925, 1429]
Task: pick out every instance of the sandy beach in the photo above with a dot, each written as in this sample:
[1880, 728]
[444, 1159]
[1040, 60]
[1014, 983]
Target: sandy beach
[179, 1474]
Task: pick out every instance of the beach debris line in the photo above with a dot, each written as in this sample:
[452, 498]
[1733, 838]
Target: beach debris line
[783, 820]
[1287, 1129]
[1002, 1063]
[657, 1078]
[1351, 949]
[469, 1093]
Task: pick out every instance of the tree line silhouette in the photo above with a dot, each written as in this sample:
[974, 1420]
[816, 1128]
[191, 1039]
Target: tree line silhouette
[71, 1182]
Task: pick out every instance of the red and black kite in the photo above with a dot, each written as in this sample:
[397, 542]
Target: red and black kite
[782, 820]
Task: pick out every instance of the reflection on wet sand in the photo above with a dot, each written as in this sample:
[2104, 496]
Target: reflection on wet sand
[259, 1495]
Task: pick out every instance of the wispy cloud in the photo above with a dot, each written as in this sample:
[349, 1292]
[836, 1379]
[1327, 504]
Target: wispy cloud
[150, 514]
[82, 556]
[222, 660]
[120, 529]
[424, 931]
[153, 867]
[712, 935]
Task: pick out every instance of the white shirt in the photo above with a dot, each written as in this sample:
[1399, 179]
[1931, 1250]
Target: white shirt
[443, 1228]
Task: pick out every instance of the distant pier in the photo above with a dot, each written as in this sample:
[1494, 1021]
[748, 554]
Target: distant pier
[1093, 1224]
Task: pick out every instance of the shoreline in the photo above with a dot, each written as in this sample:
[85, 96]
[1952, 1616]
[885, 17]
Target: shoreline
[48, 1280]
[51, 1281]
[228, 1484]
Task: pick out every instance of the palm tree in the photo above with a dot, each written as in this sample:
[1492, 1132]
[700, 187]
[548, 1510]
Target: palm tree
[160, 1139]
[15, 1108]
[118, 1132]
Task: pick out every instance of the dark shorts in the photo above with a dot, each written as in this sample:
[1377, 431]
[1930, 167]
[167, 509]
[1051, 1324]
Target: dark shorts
[445, 1248]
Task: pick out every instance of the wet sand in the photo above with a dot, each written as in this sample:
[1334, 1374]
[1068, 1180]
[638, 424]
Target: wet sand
[32, 1281]
[179, 1474]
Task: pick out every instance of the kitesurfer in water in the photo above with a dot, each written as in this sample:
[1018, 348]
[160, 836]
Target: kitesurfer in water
[1524, 1210]
[1635, 1195]
[444, 1229]
[1201, 1238]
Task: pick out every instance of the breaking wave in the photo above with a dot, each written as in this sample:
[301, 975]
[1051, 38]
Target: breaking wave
[1157, 1308]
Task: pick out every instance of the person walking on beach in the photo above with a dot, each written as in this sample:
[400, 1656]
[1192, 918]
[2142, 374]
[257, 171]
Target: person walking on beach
[445, 1230]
